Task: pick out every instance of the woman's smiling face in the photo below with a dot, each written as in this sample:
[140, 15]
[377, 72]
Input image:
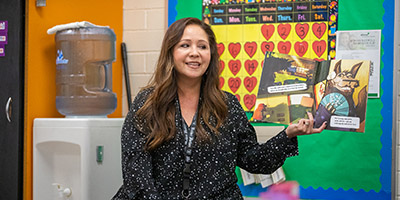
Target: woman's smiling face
[192, 54]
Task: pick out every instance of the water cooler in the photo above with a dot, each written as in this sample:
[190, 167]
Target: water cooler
[79, 157]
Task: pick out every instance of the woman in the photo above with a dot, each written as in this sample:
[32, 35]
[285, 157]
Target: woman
[183, 136]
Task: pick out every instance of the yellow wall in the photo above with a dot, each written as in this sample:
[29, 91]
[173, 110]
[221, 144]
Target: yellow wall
[40, 67]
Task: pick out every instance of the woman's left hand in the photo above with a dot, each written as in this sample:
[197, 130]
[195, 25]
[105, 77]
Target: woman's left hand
[304, 127]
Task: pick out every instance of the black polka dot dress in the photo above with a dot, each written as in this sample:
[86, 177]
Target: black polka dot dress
[159, 174]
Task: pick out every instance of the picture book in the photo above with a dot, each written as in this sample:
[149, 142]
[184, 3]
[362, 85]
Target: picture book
[334, 91]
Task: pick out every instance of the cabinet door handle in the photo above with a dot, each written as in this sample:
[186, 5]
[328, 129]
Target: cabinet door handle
[9, 109]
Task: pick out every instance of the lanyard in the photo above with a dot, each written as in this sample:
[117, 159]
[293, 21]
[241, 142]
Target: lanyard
[189, 138]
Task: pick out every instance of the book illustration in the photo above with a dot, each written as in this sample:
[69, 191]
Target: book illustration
[334, 91]
[285, 73]
[285, 92]
[344, 102]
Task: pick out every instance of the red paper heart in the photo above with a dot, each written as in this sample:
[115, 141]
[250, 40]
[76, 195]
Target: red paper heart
[221, 82]
[250, 66]
[234, 66]
[267, 31]
[267, 46]
[250, 48]
[262, 63]
[221, 66]
[249, 101]
[234, 84]
[301, 48]
[302, 30]
[221, 48]
[250, 83]
[319, 29]
[319, 47]
[284, 30]
[284, 47]
[238, 97]
[319, 59]
[234, 49]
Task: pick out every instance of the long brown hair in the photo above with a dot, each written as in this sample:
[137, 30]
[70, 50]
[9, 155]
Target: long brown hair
[158, 112]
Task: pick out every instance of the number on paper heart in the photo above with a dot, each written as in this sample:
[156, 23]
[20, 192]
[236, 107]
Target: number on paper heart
[221, 48]
[234, 84]
[284, 30]
[250, 66]
[234, 49]
[250, 83]
[284, 47]
[221, 82]
[267, 46]
[302, 30]
[234, 66]
[301, 48]
[319, 29]
[267, 31]
[319, 47]
[250, 48]
[249, 101]
[221, 66]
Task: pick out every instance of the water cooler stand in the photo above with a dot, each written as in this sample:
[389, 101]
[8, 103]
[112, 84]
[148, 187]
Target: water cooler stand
[76, 158]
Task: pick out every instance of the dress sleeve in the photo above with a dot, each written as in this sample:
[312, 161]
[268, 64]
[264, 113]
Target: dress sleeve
[260, 158]
[138, 181]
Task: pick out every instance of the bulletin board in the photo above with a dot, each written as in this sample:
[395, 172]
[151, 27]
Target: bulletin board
[245, 31]
[333, 164]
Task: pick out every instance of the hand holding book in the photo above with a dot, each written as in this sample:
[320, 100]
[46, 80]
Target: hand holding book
[304, 127]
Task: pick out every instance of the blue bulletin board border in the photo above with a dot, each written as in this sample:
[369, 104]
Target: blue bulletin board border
[387, 97]
[386, 125]
[172, 13]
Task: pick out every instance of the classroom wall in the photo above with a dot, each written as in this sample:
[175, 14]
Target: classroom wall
[144, 25]
[40, 66]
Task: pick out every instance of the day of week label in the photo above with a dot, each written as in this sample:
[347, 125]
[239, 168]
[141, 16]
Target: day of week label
[268, 8]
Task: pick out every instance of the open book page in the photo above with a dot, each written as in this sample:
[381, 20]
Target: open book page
[342, 97]
[278, 176]
[334, 91]
[248, 178]
[265, 179]
[286, 90]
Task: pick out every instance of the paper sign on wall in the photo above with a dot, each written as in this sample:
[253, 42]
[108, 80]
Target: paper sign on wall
[362, 45]
[3, 37]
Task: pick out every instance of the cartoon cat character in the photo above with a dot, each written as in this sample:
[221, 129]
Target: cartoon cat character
[339, 96]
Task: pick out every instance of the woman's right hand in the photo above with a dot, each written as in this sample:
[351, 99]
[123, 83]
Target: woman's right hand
[304, 127]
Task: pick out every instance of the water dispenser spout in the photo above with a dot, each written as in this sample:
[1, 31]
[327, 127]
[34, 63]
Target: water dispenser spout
[63, 192]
